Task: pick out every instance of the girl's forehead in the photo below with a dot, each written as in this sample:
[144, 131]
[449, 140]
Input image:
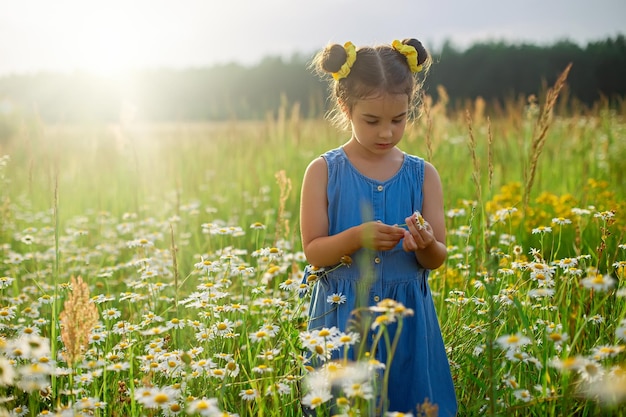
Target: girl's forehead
[395, 103]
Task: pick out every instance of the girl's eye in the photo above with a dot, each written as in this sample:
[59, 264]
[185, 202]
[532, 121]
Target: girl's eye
[371, 122]
[398, 121]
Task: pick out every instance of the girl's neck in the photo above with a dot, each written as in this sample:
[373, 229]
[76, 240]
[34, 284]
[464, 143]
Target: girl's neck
[379, 167]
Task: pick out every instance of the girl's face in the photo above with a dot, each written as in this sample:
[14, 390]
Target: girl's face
[378, 123]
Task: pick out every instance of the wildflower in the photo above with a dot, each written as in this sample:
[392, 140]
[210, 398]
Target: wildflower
[566, 364]
[316, 398]
[236, 307]
[262, 369]
[7, 372]
[111, 314]
[279, 388]
[513, 341]
[345, 260]
[257, 226]
[510, 381]
[580, 212]
[561, 221]
[289, 285]
[19, 411]
[142, 242]
[357, 389]
[97, 338]
[7, 313]
[610, 389]
[248, 394]
[598, 282]
[541, 293]
[260, 335]
[558, 338]
[206, 407]
[6, 282]
[606, 351]
[456, 212]
[160, 397]
[348, 339]
[269, 354]
[567, 263]
[604, 215]
[589, 369]
[523, 395]
[119, 366]
[336, 298]
[383, 319]
[542, 230]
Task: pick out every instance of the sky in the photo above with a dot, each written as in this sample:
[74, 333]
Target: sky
[114, 36]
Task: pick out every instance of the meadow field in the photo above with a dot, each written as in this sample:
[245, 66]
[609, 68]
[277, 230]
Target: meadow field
[156, 269]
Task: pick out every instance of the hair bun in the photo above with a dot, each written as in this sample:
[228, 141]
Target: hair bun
[333, 58]
[422, 53]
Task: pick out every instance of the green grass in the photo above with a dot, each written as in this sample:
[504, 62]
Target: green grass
[139, 210]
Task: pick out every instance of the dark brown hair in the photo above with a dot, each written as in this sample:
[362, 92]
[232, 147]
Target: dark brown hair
[377, 70]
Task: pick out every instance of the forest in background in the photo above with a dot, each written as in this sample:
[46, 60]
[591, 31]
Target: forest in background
[496, 71]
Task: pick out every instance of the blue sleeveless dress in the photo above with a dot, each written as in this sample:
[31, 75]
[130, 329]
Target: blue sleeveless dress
[420, 368]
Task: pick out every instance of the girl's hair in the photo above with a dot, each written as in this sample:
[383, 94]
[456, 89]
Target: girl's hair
[376, 70]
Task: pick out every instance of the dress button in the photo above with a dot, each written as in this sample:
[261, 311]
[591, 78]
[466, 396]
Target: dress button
[380, 188]
[376, 298]
[377, 260]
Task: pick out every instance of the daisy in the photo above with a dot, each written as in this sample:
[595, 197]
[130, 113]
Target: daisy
[589, 370]
[6, 282]
[513, 341]
[269, 354]
[111, 314]
[248, 394]
[542, 230]
[316, 398]
[261, 369]
[7, 372]
[558, 338]
[561, 221]
[7, 313]
[19, 411]
[357, 389]
[206, 407]
[541, 293]
[606, 351]
[348, 339]
[598, 282]
[336, 298]
[161, 397]
[595, 319]
[523, 395]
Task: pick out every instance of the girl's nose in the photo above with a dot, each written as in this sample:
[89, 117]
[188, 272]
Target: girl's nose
[385, 132]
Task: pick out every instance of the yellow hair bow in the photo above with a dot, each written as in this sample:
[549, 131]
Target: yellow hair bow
[409, 52]
[345, 68]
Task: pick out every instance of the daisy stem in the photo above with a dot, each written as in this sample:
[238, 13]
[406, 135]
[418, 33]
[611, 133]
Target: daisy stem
[55, 276]
[394, 345]
[131, 382]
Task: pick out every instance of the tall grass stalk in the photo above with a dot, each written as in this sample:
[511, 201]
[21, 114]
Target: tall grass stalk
[539, 135]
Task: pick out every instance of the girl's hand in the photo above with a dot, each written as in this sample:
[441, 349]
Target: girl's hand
[419, 234]
[380, 236]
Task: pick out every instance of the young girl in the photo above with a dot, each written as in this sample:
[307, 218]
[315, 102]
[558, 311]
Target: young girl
[362, 202]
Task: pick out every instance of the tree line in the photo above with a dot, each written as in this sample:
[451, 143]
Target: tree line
[495, 71]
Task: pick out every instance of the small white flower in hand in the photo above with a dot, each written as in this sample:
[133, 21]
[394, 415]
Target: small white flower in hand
[420, 223]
